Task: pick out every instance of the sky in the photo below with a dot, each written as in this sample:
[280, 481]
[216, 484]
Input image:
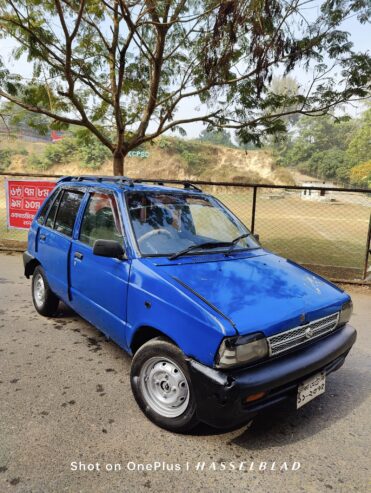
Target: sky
[360, 36]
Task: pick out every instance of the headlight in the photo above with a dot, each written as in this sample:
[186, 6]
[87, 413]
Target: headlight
[346, 312]
[235, 351]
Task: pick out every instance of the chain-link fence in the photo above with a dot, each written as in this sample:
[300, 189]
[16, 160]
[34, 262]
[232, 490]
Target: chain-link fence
[325, 229]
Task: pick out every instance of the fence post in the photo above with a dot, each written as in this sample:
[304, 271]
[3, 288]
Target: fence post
[367, 253]
[253, 209]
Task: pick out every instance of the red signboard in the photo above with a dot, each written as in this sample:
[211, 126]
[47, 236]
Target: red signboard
[24, 198]
[55, 135]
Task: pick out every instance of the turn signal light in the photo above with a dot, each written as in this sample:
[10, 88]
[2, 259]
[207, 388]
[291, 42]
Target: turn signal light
[254, 397]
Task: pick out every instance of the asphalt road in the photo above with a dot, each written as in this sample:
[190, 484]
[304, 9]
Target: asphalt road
[65, 398]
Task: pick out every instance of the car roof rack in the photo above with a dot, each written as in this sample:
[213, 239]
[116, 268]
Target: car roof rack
[187, 185]
[122, 180]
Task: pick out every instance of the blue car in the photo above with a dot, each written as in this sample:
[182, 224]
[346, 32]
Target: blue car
[219, 328]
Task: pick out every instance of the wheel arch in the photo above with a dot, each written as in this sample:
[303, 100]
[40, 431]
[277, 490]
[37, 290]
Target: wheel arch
[30, 267]
[144, 334]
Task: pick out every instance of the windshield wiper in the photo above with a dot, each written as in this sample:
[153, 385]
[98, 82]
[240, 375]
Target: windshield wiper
[235, 241]
[202, 246]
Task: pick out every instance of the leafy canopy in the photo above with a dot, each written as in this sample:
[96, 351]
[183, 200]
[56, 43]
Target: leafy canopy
[121, 69]
[329, 148]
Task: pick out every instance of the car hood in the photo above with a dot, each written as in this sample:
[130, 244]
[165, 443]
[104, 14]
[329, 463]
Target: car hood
[257, 291]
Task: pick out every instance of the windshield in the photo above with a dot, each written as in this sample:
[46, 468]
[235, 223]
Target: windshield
[167, 223]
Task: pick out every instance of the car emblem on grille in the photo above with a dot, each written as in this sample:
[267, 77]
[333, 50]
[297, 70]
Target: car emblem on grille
[302, 318]
[308, 333]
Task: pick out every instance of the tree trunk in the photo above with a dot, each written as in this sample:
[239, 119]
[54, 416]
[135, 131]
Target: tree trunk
[118, 163]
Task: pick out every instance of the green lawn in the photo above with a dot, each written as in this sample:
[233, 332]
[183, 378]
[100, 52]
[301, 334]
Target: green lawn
[313, 233]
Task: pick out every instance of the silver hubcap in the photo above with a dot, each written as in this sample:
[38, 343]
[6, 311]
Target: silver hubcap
[39, 290]
[164, 387]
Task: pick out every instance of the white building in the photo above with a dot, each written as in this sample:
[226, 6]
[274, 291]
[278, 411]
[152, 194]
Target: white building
[319, 195]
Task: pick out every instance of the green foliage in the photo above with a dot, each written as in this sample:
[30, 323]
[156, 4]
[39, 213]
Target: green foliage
[39, 162]
[326, 148]
[218, 137]
[360, 175]
[57, 153]
[17, 116]
[190, 151]
[325, 163]
[195, 161]
[89, 151]
[164, 143]
[359, 150]
[93, 154]
[5, 158]
[60, 151]
[122, 70]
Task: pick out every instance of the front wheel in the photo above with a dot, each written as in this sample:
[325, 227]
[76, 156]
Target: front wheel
[162, 387]
[44, 300]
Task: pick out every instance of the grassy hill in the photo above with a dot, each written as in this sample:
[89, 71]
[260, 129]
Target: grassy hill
[167, 157]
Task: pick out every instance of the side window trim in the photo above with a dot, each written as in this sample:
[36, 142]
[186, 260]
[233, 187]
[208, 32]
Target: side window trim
[80, 215]
[65, 190]
[48, 205]
[57, 197]
[86, 205]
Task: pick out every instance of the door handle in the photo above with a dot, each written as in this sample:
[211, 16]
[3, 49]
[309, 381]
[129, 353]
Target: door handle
[79, 255]
[42, 236]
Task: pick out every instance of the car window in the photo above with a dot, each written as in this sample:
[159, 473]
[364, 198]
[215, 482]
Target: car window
[212, 222]
[166, 223]
[100, 220]
[67, 210]
[45, 207]
[53, 210]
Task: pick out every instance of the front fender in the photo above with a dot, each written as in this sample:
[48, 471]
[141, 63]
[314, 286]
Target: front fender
[158, 301]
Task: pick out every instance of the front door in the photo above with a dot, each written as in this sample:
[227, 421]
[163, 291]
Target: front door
[99, 284]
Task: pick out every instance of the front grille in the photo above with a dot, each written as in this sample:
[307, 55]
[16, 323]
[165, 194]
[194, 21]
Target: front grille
[300, 335]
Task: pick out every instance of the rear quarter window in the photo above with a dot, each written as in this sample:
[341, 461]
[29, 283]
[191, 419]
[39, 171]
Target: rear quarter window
[45, 207]
[53, 210]
[67, 211]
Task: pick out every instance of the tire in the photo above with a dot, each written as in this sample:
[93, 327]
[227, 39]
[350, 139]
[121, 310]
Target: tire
[162, 387]
[44, 300]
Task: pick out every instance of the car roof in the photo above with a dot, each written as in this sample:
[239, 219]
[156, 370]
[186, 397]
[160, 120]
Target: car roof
[123, 183]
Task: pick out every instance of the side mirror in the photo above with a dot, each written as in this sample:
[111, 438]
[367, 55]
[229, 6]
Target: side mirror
[108, 248]
[257, 237]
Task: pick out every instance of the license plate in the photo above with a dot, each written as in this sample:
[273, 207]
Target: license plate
[310, 388]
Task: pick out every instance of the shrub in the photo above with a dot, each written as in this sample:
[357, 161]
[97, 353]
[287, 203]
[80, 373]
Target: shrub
[360, 175]
[93, 154]
[60, 151]
[195, 161]
[164, 143]
[39, 162]
[5, 158]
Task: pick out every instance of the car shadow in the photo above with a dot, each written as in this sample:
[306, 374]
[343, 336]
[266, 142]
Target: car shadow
[282, 424]
[346, 390]
[66, 312]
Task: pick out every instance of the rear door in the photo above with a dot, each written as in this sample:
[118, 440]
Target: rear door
[54, 240]
[99, 284]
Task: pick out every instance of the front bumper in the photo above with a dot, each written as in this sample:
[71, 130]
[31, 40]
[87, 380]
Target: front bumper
[219, 394]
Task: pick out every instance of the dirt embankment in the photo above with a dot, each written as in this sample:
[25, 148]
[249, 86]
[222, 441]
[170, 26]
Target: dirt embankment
[178, 159]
